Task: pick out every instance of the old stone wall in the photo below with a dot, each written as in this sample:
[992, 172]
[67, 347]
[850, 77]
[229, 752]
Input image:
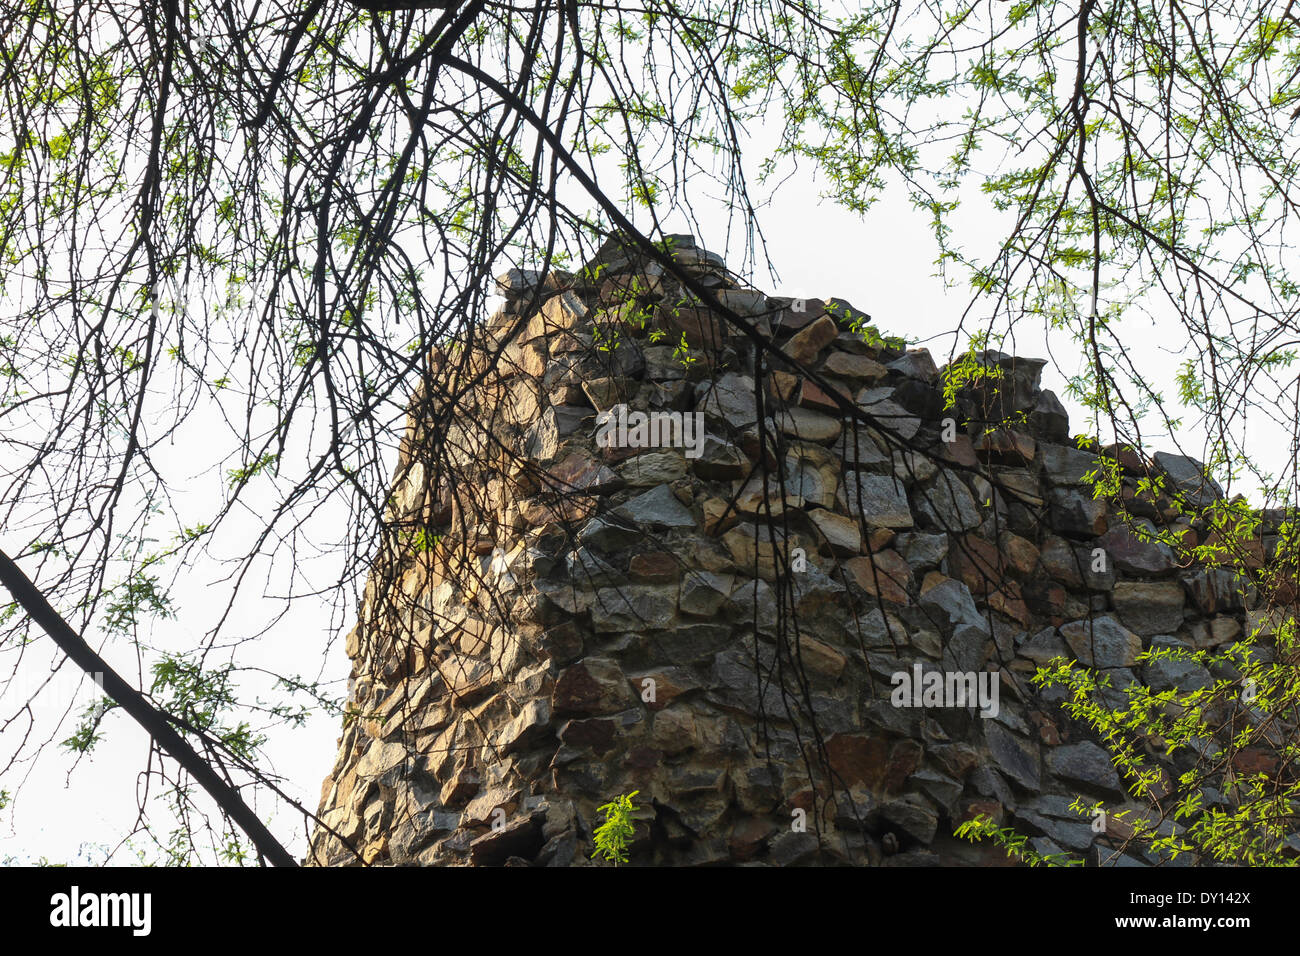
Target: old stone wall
[718, 620]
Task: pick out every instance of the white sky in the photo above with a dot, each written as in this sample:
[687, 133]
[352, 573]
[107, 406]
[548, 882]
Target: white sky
[882, 265]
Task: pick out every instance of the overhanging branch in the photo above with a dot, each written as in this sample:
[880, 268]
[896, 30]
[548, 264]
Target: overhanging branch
[146, 715]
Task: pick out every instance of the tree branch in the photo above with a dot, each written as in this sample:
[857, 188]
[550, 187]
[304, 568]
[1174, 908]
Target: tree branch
[146, 715]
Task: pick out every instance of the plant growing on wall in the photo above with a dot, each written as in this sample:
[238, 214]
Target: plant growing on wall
[612, 835]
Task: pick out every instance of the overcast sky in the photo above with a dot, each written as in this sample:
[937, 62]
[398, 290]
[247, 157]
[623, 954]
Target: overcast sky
[882, 265]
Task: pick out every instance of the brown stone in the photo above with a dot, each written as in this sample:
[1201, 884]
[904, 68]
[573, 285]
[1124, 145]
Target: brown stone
[375, 850]
[884, 574]
[1048, 732]
[654, 567]
[815, 397]
[841, 536]
[594, 685]
[805, 345]
[1019, 552]
[857, 368]
[959, 451]
[880, 538]
[1130, 461]
[821, 658]
[1236, 549]
[595, 734]
[462, 785]
[1253, 760]
[1006, 599]
[674, 730]
[977, 563]
[703, 330]
[719, 516]
[1006, 446]
[748, 836]
[784, 385]
[873, 761]
[1060, 561]
[808, 425]
[581, 472]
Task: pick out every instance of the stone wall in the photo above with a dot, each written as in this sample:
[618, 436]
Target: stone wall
[554, 621]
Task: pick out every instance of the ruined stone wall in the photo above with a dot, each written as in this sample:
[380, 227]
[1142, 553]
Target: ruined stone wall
[718, 621]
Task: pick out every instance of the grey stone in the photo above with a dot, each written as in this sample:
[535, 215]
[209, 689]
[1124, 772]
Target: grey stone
[1086, 765]
[1073, 835]
[737, 685]
[658, 508]
[858, 450]
[1015, 757]
[968, 648]
[1044, 846]
[380, 758]
[1049, 419]
[879, 393]
[951, 605]
[653, 468]
[807, 425]
[913, 467]
[1217, 589]
[941, 788]
[880, 499]
[1189, 477]
[746, 302]
[516, 283]
[752, 600]
[892, 417]
[530, 724]
[608, 534]
[1183, 676]
[1076, 513]
[731, 399]
[813, 590]
[542, 440]
[1102, 642]
[590, 569]
[987, 782]
[922, 551]
[876, 630]
[720, 460]
[914, 816]
[633, 607]
[1044, 646]
[1148, 608]
[661, 366]
[916, 363]
[695, 641]
[520, 837]
[1129, 551]
[948, 504]
[789, 848]
[704, 593]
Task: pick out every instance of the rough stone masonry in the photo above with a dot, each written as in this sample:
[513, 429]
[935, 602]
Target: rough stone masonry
[555, 620]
